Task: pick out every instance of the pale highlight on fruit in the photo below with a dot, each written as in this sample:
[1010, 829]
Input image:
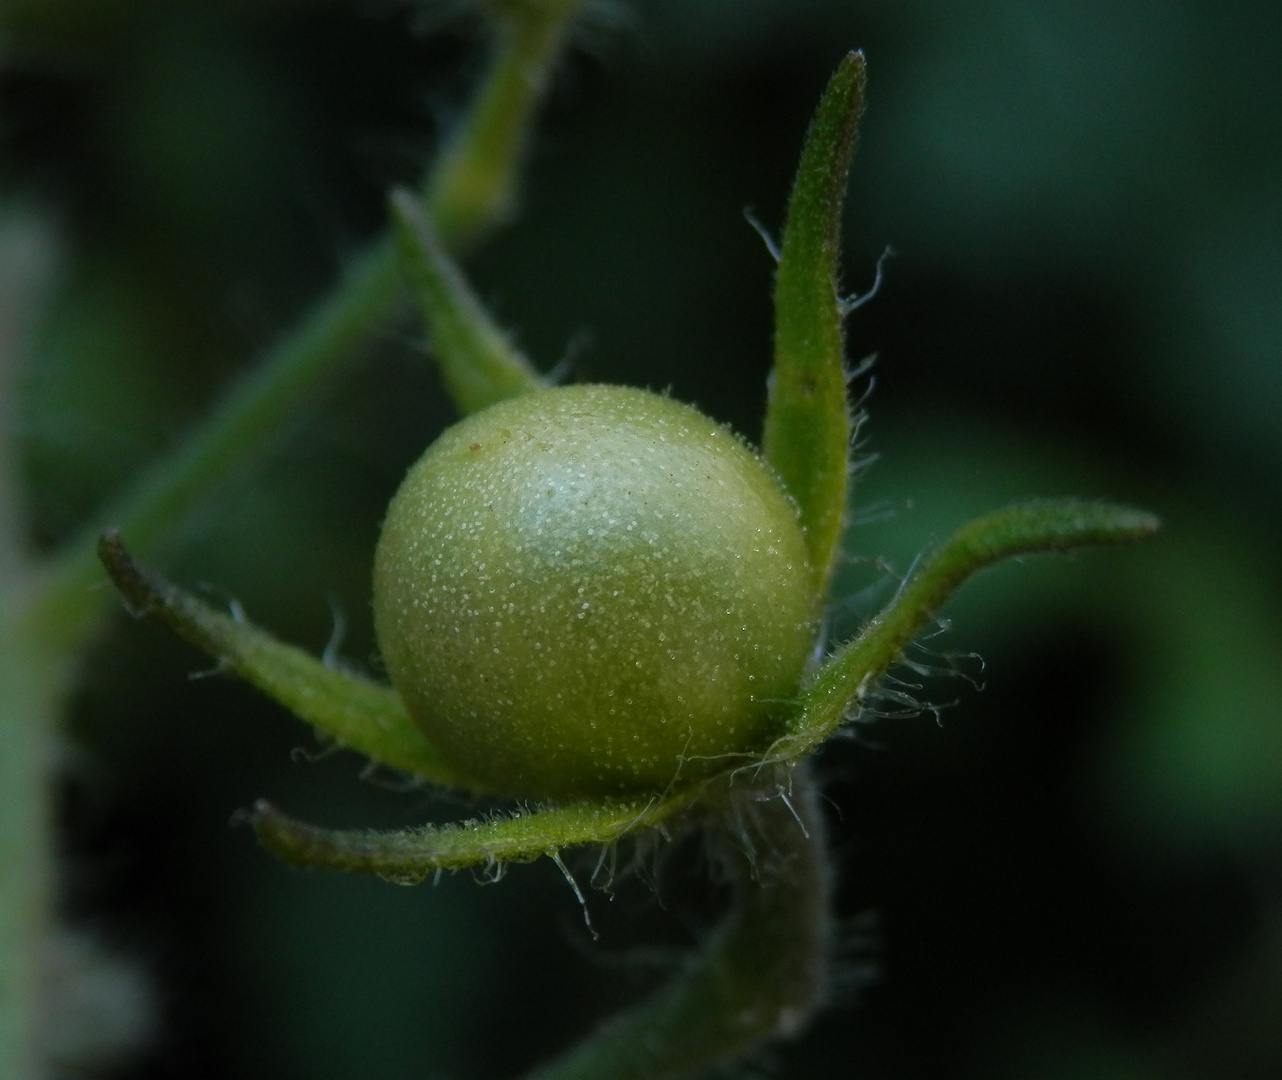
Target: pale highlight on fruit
[592, 590]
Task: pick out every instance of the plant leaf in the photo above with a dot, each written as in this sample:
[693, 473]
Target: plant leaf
[477, 361]
[808, 426]
[1027, 528]
[359, 713]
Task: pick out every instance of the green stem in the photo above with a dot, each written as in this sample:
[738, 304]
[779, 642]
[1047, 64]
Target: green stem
[31, 697]
[12, 553]
[31, 690]
[251, 414]
[474, 184]
[471, 189]
[764, 971]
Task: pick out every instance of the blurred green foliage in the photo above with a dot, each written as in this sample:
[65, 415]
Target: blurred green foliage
[1078, 873]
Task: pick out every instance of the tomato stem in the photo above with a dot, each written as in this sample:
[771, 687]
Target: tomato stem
[761, 974]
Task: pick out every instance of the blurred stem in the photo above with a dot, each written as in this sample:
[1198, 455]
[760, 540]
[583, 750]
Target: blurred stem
[474, 183]
[13, 562]
[251, 414]
[26, 264]
[762, 973]
[472, 188]
[31, 685]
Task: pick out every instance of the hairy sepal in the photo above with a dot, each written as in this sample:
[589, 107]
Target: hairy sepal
[1024, 529]
[478, 363]
[808, 428]
[410, 855]
[358, 713]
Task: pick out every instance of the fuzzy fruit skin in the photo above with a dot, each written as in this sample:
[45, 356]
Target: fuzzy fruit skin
[592, 591]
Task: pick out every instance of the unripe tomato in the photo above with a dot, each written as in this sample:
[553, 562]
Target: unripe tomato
[592, 590]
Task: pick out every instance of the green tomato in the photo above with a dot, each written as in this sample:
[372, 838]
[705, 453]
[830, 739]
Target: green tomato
[593, 590]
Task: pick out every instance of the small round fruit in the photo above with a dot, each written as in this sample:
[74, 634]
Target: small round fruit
[592, 590]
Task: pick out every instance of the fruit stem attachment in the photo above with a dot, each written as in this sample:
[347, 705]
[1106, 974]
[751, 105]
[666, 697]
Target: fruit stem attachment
[762, 973]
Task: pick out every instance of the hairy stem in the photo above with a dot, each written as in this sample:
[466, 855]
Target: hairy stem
[764, 971]
[471, 189]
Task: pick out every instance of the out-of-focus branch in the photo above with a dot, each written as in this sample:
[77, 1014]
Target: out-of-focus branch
[471, 189]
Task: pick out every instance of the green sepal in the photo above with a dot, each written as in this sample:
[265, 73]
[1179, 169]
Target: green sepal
[410, 855]
[478, 363]
[1027, 528]
[808, 427]
[358, 713]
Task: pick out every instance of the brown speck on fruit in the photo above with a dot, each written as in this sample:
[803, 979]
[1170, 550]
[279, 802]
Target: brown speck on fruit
[475, 446]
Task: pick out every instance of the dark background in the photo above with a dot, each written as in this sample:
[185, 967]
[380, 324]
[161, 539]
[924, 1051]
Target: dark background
[1076, 872]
